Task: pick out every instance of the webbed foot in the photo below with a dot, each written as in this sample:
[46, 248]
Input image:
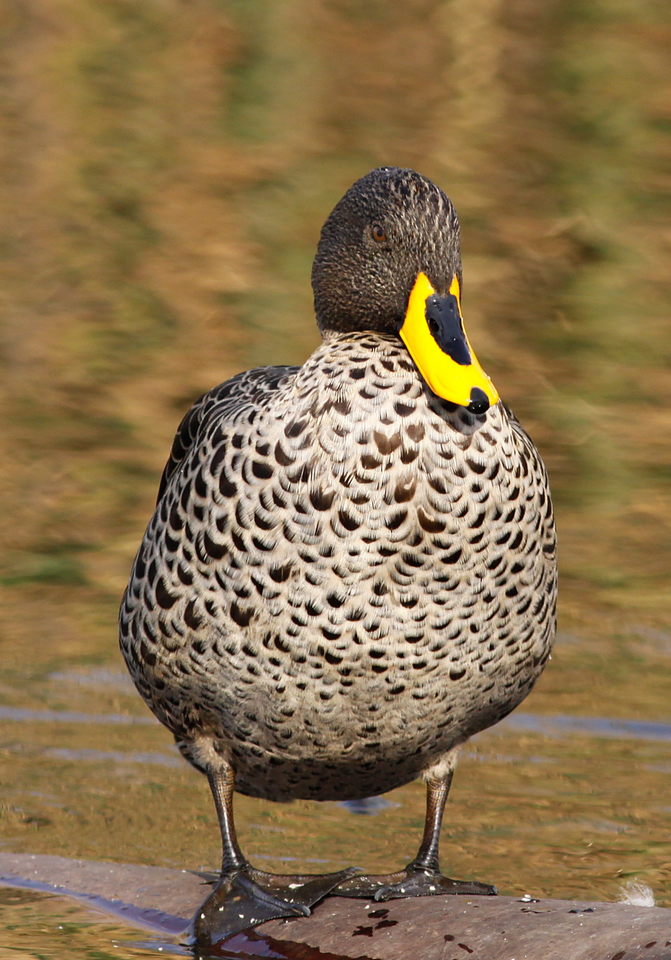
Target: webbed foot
[410, 882]
[247, 897]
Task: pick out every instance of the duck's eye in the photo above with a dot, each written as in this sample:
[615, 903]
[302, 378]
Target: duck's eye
[378, 233]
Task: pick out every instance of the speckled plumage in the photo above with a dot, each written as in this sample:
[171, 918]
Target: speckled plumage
[345, 576]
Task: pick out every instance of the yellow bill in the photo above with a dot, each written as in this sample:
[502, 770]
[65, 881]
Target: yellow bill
[433, 332]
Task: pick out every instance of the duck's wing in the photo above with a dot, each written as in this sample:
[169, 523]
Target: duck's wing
[253, 388]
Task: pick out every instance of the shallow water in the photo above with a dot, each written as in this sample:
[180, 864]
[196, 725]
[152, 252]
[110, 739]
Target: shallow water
[39, 925]
[169, 167]
[532, 808]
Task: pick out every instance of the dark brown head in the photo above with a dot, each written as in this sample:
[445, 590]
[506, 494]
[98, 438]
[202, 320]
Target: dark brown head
[389, 226]
[388, 260]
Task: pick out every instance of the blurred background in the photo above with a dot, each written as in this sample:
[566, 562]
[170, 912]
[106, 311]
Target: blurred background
[167, 167]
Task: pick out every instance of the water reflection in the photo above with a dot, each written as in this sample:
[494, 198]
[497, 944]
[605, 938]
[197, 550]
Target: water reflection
[596, 726]
[22, 714]
[42, 925]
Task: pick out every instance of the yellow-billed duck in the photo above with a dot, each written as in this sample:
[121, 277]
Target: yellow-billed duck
[351, 567]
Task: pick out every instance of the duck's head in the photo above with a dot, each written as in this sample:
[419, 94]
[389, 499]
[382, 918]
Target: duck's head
[388, 260]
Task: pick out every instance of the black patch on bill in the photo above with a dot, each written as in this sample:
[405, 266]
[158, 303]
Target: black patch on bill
[442, 316]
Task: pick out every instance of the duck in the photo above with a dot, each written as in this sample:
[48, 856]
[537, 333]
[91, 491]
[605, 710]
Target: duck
[351, 567]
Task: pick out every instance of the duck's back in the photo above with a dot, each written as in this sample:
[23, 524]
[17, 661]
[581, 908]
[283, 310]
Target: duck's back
[345, 576]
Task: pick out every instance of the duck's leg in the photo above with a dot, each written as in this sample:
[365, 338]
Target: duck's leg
[243, 896]
[422, 876]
